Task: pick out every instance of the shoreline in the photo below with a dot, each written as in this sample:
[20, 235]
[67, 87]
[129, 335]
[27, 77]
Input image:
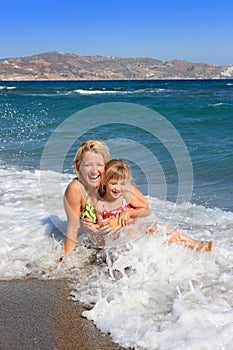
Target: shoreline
[37, 314]
[110, 80]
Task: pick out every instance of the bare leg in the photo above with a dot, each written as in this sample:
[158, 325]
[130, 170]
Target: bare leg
[180, 238]
[177, 237]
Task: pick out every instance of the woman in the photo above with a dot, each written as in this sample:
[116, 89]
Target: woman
[81, 194]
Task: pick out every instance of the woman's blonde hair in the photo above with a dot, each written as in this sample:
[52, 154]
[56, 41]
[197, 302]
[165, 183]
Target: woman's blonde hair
[95, 146]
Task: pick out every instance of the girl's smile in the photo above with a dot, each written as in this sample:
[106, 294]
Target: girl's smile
[115, 188]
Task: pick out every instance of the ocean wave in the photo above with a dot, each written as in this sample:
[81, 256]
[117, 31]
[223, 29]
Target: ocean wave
[95, 92]
[117, 91]
[217, 104]
[89, 91]
[33, 221]
[2, 87]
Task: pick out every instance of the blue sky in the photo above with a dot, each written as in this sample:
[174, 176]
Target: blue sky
[194, 30]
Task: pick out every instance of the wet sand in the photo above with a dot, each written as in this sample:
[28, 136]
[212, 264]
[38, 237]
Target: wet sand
[39, 315]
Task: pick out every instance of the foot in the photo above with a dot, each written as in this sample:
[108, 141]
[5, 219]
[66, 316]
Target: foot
[155, 229]
[175, 237]
[206, 246]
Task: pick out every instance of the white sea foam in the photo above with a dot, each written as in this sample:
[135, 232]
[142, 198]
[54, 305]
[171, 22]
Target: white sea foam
[217, 104]
[146, 294]
[117, 91]
[154, 296]
[27, 233]
[2, 87]
[88, 92]
[94, 92]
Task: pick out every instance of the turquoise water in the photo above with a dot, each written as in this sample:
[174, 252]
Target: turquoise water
[177, 136]
[200, 111]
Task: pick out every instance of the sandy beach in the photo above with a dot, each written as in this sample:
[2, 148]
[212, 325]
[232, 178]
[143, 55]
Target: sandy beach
[39, 315]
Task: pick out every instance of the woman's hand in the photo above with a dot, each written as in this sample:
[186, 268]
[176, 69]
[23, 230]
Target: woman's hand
[125, 218]
[113, 224]
[109, 225]
[60, 260]
[89, 227]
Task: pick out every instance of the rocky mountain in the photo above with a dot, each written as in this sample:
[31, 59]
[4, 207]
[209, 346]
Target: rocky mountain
[67, 66]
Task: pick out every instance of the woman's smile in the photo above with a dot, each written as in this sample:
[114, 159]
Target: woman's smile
[91, 168]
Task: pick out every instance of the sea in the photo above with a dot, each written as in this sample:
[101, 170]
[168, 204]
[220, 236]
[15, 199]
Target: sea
[177, 136]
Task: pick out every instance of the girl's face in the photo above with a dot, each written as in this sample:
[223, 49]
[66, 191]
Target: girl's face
[114, 188]
[91, 168]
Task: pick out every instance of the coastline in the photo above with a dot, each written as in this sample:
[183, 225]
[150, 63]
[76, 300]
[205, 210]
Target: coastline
[71, 80]
[54, 65]
[38, 314]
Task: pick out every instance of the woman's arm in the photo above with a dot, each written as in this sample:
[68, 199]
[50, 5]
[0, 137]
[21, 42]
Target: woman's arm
[73, 200]
[138, 203]
[98, 210]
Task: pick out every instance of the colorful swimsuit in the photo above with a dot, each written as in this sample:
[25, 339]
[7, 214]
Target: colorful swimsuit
[88, 211]
[107, 214]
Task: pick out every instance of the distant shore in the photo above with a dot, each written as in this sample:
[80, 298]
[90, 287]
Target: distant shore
[67, 66]
[106, 80]
[39, 315]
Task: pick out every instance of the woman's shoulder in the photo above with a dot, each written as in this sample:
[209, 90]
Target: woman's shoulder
[74, 188]
[73, 185]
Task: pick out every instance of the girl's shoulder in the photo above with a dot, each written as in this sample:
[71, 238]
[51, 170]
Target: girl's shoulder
[100, 204]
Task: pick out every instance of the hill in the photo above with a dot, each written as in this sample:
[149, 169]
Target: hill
[67, 66]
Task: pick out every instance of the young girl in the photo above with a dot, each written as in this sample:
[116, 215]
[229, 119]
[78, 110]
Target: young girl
[116, 202]
[119, 198]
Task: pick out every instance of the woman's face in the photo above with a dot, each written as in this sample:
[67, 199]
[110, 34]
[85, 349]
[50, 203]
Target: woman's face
[91, 168]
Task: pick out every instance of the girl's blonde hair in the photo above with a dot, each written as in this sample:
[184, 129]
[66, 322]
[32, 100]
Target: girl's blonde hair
[95, 146]
[117, 169]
